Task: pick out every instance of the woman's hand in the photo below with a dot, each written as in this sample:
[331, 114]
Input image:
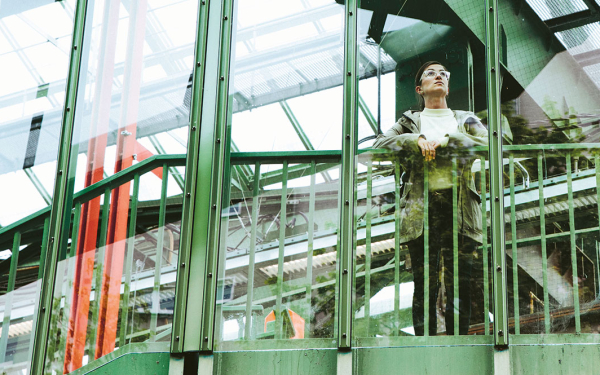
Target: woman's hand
[428, 148]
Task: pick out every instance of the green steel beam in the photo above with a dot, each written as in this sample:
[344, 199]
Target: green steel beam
[38, 185]
[496, 184]
[347, 179]
[296, 125]
[364, 108]
[214, 172]
[60, 209]
[191, 179]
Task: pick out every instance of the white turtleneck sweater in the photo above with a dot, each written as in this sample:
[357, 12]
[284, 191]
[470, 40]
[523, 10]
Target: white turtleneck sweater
[435, 125]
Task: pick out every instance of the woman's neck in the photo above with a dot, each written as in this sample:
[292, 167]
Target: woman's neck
[436, 103]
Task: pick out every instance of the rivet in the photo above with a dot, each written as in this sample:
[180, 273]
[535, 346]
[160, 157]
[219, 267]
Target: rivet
[491, 9]
[75, 47]
[193, 128]
[225, 18]
[500, 333]
[43, 309]
[68, 109]
[495, 133]
[347, 136]
[350, 13]
[344, 335]
[60, 171]
[210, 275]
[214, 206]
[345, 271]
[176, 338]
[349, 74]
[206, 338]
[222, 78]
[203, 2]
[347, 202]
[51, 239]
[198, 64]
[188, 195]
[493, 70]
[498, 268]
[218, 140]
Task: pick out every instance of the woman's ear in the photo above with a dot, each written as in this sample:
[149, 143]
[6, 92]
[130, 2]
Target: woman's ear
[418, 90]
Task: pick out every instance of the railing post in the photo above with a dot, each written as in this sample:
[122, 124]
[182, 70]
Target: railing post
[496, 185]
[60, 208]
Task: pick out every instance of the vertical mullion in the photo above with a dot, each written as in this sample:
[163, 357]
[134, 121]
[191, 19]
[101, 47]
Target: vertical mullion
[95, 310]
[159, 252]
[310, 245]
[573, 244]
[368, 217]
[484, 248]
[426, 254]
[129, 260]
[12, 275]
[543, 240]
[190, 186]
[513, 232]
[60, 207]
[282, 221]
[396, 329]
[455, 274]
[496, 167]
[252, 255]
[348, 178]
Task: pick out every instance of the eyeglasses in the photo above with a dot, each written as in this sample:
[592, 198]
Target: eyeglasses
[432, 74]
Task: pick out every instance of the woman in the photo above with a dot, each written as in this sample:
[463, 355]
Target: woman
[420, 136]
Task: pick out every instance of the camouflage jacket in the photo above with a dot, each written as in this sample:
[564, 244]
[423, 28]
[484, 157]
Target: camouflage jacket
[403, 137]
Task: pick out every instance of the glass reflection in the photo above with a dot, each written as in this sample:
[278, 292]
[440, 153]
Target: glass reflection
[549, 106]
[422, 256]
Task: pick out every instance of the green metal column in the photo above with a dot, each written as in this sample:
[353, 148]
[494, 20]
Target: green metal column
[60, 210]
[496, 185]
[348, 178]
[191, 179]
[194, 317]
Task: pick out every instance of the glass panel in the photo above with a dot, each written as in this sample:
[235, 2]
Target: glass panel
[117, 274]
[19, 298]
[550, 112]
[277, 264]
[35, 41]
[422, 259]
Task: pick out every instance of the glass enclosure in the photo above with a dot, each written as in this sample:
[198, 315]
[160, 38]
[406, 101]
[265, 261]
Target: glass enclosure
[421, 256]
[417, 209]
[279, 238]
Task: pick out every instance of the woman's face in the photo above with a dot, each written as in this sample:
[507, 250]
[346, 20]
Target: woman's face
[434, 86]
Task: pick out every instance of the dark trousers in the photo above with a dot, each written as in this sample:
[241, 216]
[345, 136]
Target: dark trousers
[441, 246]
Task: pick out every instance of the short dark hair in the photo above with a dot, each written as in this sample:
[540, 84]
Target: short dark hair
[419, 78]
